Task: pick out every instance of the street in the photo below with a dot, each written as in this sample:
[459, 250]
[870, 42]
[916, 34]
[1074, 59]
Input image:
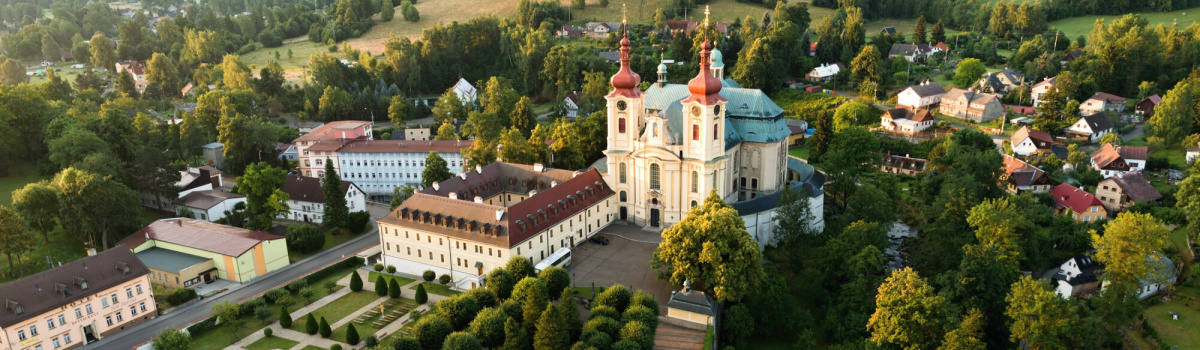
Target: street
[145, 332]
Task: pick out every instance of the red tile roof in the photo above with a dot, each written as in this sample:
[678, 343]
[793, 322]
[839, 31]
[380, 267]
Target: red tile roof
[1104, 96]
[331, 130]
[566, 199]
[203, 235]
[1027, 132]
[1067, 196]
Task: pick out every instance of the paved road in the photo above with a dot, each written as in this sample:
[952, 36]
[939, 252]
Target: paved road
[133, 337]
[1137, 131]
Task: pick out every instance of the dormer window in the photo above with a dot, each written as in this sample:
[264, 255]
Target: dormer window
[15, 307]
[81, 283]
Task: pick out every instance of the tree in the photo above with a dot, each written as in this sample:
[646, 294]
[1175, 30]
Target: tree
[55, 88]
[557, 280]
[356, 282]
[967, 335]
[1129, 249]
[500, 282]
[1110, 139]
[351, 334]
[310, 325]
[381, 286]
[393, 288]
[866, 66]
[939, 32]
[919, 31]
[405, 343]
[93, 205]
[102, 52]
[1039, 316]
[400, 109]
[639, 333]
[560, 73]
[998, 225]
[968, 73]
[409, 11]
[161, 70]
[462, 341]
[304, 239]
[754, 66]
[522, 116]
[907, 313]
[488, 327]
[569, 311]
[51, 51]
[336, 213]
[324, 329]
[514, 335]
[1173, 118]
[335, 104]
[520, 268]
[285, 318]
[436, 170]
[386, 10]
[711, 245]
[420, 295]
[172, 339]
[261, 185]
[738, 324]
[37, 204]
[399, 195]
[458, 310]
[823, 135]
[236, 76]
[12, 72]
[551, 334]
[126, 86]
[14, 237]
[432, 331]
[615, 296]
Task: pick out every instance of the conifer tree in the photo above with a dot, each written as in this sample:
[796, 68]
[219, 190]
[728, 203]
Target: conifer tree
[325, 330]
[939, 32]
[381, 286]
[285, 319]
[351, 334]
[310, 325]
[393, 288]
[421, 297]
[386, 10]
[355, 282]
[551, 335]
[335, 210]
[919, 32]
[822, 137]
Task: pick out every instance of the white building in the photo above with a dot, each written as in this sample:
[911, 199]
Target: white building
[1081, 276]
[1102, 102]
[193, 179]
[926, 94]
[209, 205]
[466, 92]
[306, 198]
[1041, 88]
[1027, 141]
[1091, 127]
[379, 166]
[1112, 160]
[824, 73]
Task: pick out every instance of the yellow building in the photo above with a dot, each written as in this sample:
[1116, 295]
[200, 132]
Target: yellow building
[476, 221]
[235, 254]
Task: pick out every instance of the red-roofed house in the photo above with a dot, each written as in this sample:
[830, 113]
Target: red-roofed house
[1079, 204]
[1146, 106]
[236, 254]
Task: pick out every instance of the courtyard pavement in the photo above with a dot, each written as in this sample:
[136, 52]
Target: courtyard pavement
[625, 260]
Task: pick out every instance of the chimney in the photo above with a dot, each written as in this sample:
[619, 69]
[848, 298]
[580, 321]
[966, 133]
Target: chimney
[453, 195]
[463, 175]
[499, 214]
[479, 169]
[478, 199]
[538, 167]
[435, 186]
[533, 192]
[553, 183]
[92, 252]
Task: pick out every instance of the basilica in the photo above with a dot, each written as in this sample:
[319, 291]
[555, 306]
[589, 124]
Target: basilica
[670, 145]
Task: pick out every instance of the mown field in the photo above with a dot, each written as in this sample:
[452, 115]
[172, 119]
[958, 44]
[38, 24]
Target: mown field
[1076, 26]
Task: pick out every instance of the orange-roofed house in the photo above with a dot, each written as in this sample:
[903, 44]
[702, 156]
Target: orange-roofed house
[1112, 160]
[1079, 204]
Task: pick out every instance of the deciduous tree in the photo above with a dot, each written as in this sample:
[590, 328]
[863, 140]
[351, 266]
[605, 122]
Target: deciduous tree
[711, 245]
[1128, 248]
[488, 327]
[1039, 317]
[162, 70]
[968, 73]
[908, 314]
[261, 185]
[866, 66]
[14, 237]
[436, 170]
[37, 204]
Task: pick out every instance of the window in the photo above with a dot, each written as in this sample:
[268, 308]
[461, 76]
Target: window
[696, 132]
[103, 302]
[21, 335]
[654, 185]
[119, 318]
[88, 308]
[1094, 209]
[56, 344]
[695, 182]
[108, 319]
[715, 131]
[129, 292]
[33, 330]
[621, 125]
[50, 324]
[621, 170]
[133, 310]
[623, 198]
[62, 320]
[139, 289]
[67, 338]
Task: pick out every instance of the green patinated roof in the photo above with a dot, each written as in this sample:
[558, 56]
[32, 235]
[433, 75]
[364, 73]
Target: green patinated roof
[750, 115]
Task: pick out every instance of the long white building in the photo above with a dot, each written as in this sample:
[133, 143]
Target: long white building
[378, 166]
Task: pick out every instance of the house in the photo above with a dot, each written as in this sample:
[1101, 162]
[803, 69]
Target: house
[1091, 127]
[1102, 102]
[1000, 82]
[136, 68]
[188, 89]
[1192, 154]
[500, 211]
[898, 164]
[1041, 88]
[600, 30]
[799, 131]
[1123, 190]
[825, 72]
[1145, 107]
[926, 94]
[1027, 141]
[692, 306]
[912, 52]
[1162, 276]
[974, 106]
[208, 205]
[306, 198]
[214, 155]
[1111, 160]
[416, 134]
[610, 56]
[568, 32]
[235, 254]
[690, 26]
[288, 153]
[1079, 204]
[906, 121]
[1020, 177]
[889, 30]
[190, 180]
[571, 104]
[466, 93]
[1077, 276]
[99, 295]
[1071, 56]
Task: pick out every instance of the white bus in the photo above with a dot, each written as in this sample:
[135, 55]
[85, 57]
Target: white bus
[560, 258]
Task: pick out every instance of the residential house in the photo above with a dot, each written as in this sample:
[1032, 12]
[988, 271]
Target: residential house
[690, 26]
[1078, 276]
[306, 198]
[906, 121]
[214, 154]
[571, 104]
[1071, 56]
[1027, 141]
[208, 205]
[923, 95]
[889, 30]
[974, 106]
[1041, 88]
[1079, 204]
[1020, 177]
[469, 225]
[1123, 190]
[190, 180]
[1111, 160]
[1102, 102]
[912, 52]
[1091, 127]
[798, 132]
[288, 153]
[136, 68]
[1162, 276]
[825, 72]
[416, 134]
[466, 93]
[1192, 154]
[1000, 82]
[898, 164]
[77, 303]
[1145, 107]
[600, 30]
[692, 306]
[236, 254]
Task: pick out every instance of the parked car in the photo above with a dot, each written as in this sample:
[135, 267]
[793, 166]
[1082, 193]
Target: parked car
[599, 240]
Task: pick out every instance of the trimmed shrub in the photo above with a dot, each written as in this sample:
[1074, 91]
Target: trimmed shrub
[393, 288]
[604, 325]
[626, 344]
[431, 331]
[445, 279]
[180, 296]
[641, 314]
[267, 332]
[462, 341]
[297, 285]
[310, 325]
[355, 282]
[485, 297]
[351, 334]
[381, 286]
[378, 267]
[307, 292]
[421, 297]
[643, 299]
[639, 333]
[370, 341]
[391, 269]
[262, 312]
[557, 279]
[428, 275]
[406, 343]
[616, 297]
[325, 330]
[358, 222]
[275, 294]
[304, 238]
[604, 311]
[285, 319]
[336, 347]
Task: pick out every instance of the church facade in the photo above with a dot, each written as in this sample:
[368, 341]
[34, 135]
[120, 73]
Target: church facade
[672, 144]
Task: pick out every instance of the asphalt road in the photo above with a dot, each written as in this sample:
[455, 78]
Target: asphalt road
[143, 333]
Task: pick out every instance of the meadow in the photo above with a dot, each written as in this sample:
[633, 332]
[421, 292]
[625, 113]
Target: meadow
[1076, 26]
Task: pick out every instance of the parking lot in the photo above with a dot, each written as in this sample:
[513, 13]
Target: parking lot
[623, 261]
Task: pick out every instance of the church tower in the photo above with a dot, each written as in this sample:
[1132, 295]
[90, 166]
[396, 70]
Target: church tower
[704, 109]
[625, 103]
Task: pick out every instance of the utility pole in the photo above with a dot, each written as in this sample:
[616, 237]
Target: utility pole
[1056, 33]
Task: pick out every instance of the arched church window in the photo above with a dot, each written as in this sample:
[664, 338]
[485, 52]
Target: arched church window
[694, 204]
[621, 173]
[715, 131]
[695, 182]
[621, 125]
[696, 132]
[653, 130]
[624, 196]
[654, 185]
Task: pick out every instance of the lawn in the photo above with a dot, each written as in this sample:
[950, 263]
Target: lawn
[366, 328]
[63, 247]
[1181, 333]
[293, 67]
[339, 308]
[1074, 27]
[331, 241]
[643, 12]
[799, 152]
[20, 173]
[399, 279]
[269, 343]
[439, 289]
[312, 347]
[586, 292]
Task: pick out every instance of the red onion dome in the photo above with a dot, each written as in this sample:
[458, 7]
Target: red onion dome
[625, 82]
[705, 87]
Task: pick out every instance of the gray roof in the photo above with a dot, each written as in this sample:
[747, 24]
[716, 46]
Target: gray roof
[1099, 122]
[693, 301]
[40, 293]
[205, 199]
[928, 89]
[214, 145]
[811, 182]
[168, 260]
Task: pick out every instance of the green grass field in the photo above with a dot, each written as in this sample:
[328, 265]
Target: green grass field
[1180, 332]
[339, 308]
[312, 347]
[1076, 26]
[330, 242]
[799, 152]
[19, 174]
[399, 279]
[439, 289]
[269, 343]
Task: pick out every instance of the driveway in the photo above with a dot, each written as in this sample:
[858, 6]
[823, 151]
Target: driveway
[622, 261]
[1137, 131]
